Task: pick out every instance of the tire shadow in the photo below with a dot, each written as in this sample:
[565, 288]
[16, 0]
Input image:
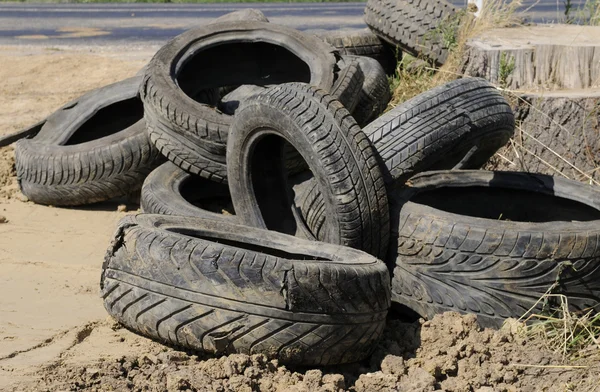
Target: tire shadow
[122, 204]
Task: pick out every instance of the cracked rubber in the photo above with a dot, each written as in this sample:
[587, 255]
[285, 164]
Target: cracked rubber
[193, 135]
[361, 42]
[337, 152]
[93, 149]
[412, 25]
[433, 131]
[493, 243]
[222, 288]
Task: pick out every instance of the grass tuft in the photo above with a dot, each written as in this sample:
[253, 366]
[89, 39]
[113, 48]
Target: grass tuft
[415, 76]
[575, 335]
[587, 13]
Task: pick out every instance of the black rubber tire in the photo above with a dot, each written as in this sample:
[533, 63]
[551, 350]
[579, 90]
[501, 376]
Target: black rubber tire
[441, 128]
[312, 209]
[336, 151]
[193, 135]
[375, 94]
[232, 100]
[346, 89]
[294, 162]
[361, 42]
[450, 261]
[413, 25]
[84, 153]
[349, 82]
[222, 288]
[435, 130]
[168, 190]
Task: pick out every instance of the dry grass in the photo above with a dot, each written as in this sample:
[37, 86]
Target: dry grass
[523, 139]
[587, 13]
[414, 76]
[575, 335]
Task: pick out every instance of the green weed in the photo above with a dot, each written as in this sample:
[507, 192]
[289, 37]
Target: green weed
[507, 67]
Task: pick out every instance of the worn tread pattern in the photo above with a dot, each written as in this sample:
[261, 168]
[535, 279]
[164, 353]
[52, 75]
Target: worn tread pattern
[434, 130]
[437, 128]
[55, 167]
[312, 208]
[203, 129]
[348, 85]
[375, 93]
[186, 155]
[84, 177]
[494, 269]
[341, 151]
[412, 25]
[222, 298]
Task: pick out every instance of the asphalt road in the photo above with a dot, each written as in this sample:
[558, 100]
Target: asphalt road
[98, 24]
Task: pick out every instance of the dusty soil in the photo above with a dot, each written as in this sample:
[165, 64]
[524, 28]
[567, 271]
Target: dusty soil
[55, 335]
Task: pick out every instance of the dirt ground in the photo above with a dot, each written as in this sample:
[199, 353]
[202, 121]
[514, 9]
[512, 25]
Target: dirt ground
[56, 336]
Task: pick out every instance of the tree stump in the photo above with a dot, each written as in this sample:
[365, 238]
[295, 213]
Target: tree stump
[558, 133]
[538, 57]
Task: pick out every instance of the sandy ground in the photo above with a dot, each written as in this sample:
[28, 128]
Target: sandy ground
[56, 336]
[49, 257]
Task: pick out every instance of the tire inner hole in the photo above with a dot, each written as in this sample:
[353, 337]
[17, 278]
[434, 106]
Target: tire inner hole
[108, 121]
[255, 247]
[275, 166]
[506, 204]
[207, 195]
[239, 63]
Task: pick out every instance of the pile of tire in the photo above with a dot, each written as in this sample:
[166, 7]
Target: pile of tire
[284, 215]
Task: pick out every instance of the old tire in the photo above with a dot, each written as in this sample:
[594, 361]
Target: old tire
[91, 150]
[361, 42]
[336, 151]
[416, 26]
[232, 100]
[460, 124]
[349, 82]
[375, 93]
[346, 89]
[193, 135]
[493, 243]
[168, 190]
[222, 288]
